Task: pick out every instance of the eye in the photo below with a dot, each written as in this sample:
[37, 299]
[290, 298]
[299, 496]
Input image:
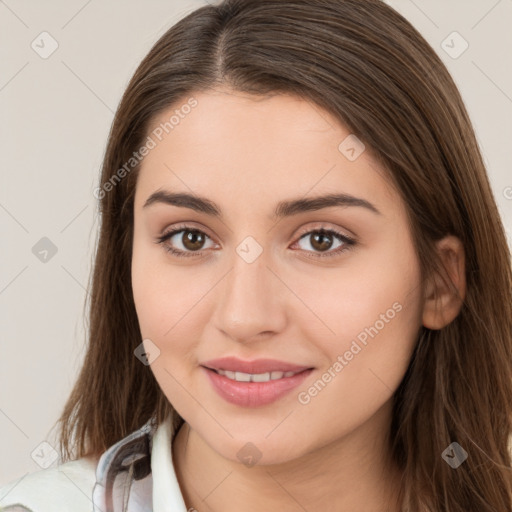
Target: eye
[321, 239]
[191, 240]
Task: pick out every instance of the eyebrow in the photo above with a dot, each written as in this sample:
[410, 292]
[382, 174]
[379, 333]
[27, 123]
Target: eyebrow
[283, 208]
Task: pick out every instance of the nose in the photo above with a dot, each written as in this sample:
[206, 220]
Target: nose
[251, 301]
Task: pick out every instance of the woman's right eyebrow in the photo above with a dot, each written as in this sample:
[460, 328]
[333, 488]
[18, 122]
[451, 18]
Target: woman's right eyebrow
[283, 209]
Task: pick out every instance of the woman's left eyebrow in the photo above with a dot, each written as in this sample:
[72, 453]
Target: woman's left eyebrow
[283, 209]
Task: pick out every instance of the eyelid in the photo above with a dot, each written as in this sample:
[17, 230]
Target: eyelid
[326, 227]
[187, 226]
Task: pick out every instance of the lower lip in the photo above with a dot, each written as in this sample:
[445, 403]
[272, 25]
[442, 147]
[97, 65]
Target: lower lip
[254, 394]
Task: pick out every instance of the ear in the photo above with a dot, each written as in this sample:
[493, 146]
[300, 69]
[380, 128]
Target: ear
[444, 294]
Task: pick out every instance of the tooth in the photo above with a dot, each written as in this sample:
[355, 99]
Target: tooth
[260, 377]
[254, 377]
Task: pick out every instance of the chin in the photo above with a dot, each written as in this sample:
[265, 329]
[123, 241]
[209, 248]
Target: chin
[252, 450]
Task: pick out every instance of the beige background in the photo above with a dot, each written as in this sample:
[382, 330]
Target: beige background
[55, 116]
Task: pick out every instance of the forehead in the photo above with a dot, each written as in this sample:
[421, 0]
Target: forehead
[243, 149]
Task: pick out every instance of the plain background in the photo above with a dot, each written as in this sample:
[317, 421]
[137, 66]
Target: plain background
[55, 117]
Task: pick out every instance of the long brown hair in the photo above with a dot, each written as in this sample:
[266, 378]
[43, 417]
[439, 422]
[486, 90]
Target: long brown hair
[366, 64]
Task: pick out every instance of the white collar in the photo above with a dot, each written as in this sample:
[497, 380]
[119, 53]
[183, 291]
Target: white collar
[166, 490]
[141, 463]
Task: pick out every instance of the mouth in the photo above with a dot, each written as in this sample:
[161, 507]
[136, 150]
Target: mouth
[256, 367]
[254, 388]
[255, 377]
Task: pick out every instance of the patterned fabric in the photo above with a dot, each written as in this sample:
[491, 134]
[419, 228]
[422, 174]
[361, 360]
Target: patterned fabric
[134, 475]
[123, 477]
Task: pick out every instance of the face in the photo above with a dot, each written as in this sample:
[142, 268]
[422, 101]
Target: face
[330, 288]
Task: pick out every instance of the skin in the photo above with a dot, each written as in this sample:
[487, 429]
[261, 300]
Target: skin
[290, 304]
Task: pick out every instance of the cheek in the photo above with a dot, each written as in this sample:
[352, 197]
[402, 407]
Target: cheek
[366, 359]
[164, 300]
[171, 302]
[369, 313]
[373, 289]
[147, 292]
[159, 291]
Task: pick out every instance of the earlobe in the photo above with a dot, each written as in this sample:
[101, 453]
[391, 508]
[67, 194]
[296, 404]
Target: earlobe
[444, 294]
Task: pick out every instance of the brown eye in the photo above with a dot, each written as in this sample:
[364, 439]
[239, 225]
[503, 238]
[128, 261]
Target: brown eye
[184, 241]
[192, 240]
[321, 241]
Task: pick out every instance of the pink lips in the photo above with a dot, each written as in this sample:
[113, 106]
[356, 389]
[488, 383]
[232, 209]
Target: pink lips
[253, 394]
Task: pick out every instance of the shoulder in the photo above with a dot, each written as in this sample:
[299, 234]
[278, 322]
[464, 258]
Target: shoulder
[121, 477]
[68, 486]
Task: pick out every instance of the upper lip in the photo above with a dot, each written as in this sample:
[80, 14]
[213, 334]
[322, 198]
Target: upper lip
[254, 367]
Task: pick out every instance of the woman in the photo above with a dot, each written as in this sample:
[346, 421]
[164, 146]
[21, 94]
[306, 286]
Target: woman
[302, 291]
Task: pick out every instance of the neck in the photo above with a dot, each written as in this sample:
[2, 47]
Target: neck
[355, 472]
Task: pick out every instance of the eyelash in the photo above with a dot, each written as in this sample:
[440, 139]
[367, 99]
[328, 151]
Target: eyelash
[349, 243]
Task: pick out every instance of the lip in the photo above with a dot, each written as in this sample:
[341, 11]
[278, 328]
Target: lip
[256, 366]
[255, 394]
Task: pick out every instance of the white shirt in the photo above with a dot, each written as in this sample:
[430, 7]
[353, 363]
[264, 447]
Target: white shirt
[136, 474]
